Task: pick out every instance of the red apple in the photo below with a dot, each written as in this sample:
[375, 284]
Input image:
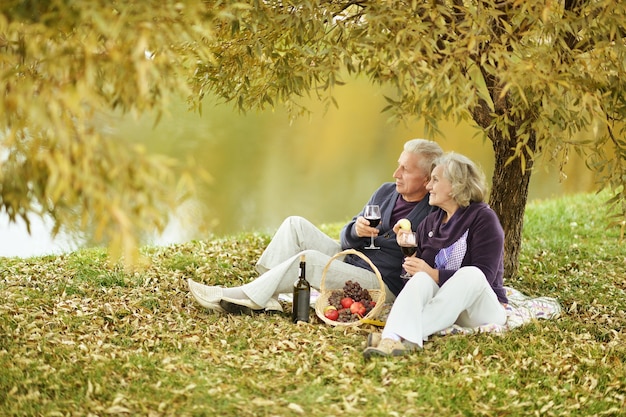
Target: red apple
[358, 308]
[346, 302]
[332, 314]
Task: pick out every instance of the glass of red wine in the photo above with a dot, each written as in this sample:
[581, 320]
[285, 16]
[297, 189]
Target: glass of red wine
[407, 241]
[372, 215]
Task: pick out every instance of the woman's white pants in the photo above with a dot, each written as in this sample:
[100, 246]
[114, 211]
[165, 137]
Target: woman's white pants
[279, 263]
[423, 308]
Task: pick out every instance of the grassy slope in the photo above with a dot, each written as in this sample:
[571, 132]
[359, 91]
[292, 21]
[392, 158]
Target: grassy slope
[78, 337]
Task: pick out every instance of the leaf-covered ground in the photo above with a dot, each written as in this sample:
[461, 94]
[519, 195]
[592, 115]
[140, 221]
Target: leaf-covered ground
[79, 337]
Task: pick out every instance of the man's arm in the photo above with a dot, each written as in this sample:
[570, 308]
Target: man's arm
[349, 237]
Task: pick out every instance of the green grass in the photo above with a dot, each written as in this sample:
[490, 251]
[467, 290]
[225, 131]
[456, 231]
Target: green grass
[80, 337]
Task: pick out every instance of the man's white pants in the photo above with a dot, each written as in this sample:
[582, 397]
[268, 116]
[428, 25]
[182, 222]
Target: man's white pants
[423, 308]
[279, 263]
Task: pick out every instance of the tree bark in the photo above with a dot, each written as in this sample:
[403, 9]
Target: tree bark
[509, 187]
[509, 194]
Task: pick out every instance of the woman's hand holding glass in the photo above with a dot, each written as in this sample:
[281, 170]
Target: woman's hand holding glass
[413, 265]
[407, 240]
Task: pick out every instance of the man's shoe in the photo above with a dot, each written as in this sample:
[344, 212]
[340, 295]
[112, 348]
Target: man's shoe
[389, 347]
[248, 307]
[207, 296]
[273, 306]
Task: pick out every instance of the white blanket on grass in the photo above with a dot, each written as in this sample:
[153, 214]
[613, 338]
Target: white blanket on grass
[521, 310]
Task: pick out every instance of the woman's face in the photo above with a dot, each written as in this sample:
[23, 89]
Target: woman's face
[440, 190]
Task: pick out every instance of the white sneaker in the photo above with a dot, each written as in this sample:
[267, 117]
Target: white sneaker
[207, 296]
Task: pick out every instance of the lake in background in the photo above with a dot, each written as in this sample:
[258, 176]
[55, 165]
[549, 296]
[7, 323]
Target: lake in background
[265, 168]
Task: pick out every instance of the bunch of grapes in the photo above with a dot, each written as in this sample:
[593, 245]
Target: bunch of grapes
[345, 316]
[335, 299]
[356, 293]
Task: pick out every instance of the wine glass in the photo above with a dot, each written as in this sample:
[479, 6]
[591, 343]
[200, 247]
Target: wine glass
[408, 244]
[372, 215]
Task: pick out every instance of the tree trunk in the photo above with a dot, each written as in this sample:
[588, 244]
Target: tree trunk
[509, 194]
[509, 187]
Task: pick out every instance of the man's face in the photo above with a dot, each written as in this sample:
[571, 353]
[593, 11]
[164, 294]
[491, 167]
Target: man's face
[410, 179]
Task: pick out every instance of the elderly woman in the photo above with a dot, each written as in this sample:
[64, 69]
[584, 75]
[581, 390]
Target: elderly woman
[457, 270]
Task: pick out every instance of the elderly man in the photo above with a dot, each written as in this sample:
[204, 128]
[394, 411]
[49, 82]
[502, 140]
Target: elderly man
[407, 197]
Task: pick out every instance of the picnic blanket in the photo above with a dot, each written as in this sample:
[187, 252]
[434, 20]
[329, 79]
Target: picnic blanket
[521, 310]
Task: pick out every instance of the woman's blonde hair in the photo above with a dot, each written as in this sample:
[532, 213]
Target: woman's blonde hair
[467, 179]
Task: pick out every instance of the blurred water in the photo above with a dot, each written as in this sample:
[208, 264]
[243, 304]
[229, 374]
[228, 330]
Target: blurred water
[16, 241]
[265, 168]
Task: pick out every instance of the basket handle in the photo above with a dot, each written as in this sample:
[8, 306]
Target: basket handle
[381, 297]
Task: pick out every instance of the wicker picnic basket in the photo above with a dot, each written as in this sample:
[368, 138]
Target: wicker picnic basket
[377, 295]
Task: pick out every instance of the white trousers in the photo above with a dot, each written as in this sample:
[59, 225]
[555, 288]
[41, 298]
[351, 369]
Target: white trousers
[279, 263]
[423, 308]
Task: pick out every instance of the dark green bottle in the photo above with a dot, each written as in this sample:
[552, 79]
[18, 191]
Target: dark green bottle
[301, 295]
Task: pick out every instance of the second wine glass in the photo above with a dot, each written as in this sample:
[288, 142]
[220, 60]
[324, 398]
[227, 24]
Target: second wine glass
[408, 244]
[372, 215]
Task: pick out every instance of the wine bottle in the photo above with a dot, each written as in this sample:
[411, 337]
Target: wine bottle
[301, 295]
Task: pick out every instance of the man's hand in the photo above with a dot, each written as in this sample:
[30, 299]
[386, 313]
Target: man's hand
[362, 228]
